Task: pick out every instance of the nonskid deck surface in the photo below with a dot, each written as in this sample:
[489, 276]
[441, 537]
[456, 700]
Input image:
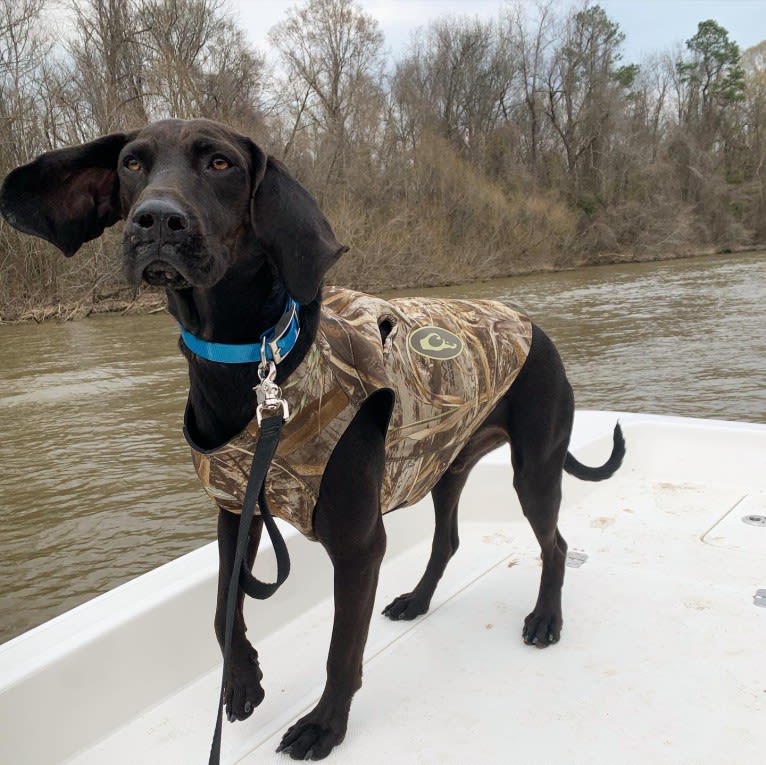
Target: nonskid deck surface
[661, 657]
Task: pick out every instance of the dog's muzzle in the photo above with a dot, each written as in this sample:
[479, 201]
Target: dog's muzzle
[158, 236]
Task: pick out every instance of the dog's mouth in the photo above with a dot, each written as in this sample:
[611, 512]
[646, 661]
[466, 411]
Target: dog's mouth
[159, 273]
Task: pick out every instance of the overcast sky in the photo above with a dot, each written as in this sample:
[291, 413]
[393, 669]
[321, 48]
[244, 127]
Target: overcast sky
[649, 25]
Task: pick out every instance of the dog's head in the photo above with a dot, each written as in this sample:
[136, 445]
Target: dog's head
[195, 196]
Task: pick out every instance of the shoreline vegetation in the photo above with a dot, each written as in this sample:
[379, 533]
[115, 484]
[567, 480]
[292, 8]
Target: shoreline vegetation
[487, 149]
[150, 300]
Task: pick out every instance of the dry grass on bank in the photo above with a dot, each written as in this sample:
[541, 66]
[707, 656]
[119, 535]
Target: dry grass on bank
[443, 222]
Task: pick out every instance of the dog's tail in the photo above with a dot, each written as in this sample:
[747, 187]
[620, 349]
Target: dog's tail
[585, 473]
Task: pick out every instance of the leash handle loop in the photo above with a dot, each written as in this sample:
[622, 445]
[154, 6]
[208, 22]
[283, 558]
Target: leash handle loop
[255, 588]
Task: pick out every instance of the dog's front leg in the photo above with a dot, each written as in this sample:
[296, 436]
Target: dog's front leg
[347, 521]
[243, 691]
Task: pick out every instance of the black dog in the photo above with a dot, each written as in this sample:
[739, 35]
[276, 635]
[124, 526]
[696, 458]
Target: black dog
[231, 235]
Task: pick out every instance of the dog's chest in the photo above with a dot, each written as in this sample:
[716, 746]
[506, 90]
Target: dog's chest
[448, 363]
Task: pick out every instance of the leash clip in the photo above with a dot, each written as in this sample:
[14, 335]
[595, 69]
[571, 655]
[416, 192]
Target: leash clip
[268, 393]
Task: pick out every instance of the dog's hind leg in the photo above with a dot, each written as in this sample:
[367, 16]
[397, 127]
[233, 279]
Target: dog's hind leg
[242, 691]
[539, 488]
[540, 423]
[446, 496]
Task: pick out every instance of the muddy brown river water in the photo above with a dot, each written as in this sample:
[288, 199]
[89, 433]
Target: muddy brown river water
[96, 484]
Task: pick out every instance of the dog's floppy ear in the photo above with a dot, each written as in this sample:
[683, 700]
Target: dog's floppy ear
[68, 196]
[288, 222]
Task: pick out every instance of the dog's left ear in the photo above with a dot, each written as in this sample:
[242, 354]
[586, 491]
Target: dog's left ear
[68, 196]
[292, 228]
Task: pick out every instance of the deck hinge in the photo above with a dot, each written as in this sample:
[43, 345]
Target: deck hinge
[754, 520]
[759, 599]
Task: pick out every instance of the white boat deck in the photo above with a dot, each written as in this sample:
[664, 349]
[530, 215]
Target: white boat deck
[662, 657]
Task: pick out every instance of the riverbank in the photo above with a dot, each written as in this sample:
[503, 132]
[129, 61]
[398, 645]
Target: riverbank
[148, 300]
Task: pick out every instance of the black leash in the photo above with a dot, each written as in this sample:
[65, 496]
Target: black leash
[271, 429]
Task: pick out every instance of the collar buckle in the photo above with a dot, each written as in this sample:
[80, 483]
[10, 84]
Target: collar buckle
[281, 331]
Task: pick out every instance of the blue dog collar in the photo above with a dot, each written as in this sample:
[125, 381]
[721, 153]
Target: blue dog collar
[277, 342]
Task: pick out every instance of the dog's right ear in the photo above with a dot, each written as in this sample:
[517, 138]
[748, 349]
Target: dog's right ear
[67, 196]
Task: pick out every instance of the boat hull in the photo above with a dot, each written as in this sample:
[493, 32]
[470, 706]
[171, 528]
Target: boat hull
[660, 657]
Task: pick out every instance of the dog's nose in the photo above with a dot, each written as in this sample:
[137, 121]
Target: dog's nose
[160, 217]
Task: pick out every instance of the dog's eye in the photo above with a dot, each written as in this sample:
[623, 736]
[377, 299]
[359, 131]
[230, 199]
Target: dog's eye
[219, 163]
[132, 164]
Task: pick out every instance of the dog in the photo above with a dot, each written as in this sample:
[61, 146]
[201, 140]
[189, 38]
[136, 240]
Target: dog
[241, 248]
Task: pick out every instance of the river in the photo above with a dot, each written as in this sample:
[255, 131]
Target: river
[97, 485]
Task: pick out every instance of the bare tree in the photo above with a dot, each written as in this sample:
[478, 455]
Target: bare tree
[454, 82]
[24, 45]
[531, 40]
[753, 158]
[584, 84]
[107, 66]
[331, 52]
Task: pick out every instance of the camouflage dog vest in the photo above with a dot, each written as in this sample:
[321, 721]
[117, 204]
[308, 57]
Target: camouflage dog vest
[448, 363]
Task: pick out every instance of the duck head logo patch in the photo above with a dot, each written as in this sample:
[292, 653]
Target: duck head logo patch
[435, 343]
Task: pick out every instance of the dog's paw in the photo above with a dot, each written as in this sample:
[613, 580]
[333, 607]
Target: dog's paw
[243, 691]
[312, 739]
[406, 607]
[542, 629]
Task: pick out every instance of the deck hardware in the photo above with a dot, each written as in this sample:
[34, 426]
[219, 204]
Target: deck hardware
[754, 520]
[575, 559]
[759, 599]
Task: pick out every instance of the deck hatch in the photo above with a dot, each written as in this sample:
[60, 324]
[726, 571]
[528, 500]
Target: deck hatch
[743, 528]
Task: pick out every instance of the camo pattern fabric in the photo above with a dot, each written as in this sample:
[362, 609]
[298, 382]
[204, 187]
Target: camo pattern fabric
[448, 363]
